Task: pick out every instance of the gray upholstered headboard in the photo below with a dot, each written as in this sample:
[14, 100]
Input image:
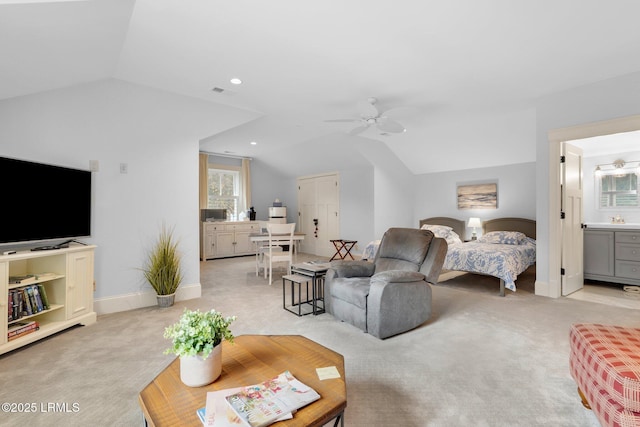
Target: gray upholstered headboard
[458, 226]
[523, 225]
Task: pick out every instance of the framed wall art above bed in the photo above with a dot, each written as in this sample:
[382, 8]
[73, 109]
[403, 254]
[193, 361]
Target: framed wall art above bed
[478, 196]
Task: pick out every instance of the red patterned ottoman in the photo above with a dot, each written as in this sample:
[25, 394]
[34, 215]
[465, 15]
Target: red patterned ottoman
[605, 363]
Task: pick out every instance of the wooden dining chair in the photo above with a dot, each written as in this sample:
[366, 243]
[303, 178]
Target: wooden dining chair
[279, 235]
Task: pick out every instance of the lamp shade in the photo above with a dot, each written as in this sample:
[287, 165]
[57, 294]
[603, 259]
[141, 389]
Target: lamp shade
[474, 222]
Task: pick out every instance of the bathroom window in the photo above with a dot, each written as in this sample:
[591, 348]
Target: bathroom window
[618, 190]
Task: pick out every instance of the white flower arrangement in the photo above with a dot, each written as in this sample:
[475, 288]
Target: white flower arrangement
[198, 332]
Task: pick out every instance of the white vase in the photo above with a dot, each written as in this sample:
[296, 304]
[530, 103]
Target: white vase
[195, 371]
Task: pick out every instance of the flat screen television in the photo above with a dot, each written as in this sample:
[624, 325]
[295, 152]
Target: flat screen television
[42, 202]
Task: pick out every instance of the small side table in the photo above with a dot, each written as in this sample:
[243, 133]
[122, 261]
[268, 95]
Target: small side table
[296, 281]
[343, 245]
[315, 272]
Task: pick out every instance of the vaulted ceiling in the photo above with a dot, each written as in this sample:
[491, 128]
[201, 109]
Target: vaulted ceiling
[462, 76]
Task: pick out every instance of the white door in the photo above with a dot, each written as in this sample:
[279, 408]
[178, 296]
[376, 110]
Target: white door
[319, 213]
[572, 237]
[307, 214]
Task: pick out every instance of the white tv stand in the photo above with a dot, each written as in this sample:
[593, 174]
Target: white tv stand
[68, 284]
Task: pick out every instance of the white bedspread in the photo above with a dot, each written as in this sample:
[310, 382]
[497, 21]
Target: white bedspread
[505, 262]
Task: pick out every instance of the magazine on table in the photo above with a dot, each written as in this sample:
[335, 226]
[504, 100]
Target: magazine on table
[262, 404]
[218, 413]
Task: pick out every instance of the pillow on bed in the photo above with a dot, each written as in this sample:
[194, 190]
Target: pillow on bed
[434, 228]
[443, 232]
[504, 237]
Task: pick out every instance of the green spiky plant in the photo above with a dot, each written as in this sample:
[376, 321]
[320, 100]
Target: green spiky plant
[163, 269]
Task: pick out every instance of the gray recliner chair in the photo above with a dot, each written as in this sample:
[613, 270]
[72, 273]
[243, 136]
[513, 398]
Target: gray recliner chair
[390, 295]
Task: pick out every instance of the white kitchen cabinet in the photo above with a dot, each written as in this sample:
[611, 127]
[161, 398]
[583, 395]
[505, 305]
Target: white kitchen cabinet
[227, 239]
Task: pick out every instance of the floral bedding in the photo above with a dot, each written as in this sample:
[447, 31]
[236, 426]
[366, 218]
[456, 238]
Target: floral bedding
[502, 260]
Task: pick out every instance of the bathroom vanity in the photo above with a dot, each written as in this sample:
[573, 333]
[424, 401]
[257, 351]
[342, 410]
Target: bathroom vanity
[612, 253]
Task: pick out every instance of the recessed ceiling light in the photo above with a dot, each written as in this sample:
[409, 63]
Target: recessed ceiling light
[236, 81]
[253, 143]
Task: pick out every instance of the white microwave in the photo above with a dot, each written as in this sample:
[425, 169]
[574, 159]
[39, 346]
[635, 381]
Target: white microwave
[277, 212]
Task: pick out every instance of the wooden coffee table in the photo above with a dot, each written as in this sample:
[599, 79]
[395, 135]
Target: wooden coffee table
[250, 360]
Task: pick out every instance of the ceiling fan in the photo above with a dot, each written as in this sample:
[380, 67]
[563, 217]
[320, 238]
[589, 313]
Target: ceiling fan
[370, 116]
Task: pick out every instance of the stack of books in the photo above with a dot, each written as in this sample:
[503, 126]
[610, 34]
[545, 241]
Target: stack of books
[19, 329]
[257, 405]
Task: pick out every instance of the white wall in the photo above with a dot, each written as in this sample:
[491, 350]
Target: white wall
[593, 213]
[605, 100]
[436, 193]
[376, 189]
[267, 185]
[156, 134]
[393, 187]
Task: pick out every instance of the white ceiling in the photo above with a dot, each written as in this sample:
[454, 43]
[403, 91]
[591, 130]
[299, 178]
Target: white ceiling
[459, 68]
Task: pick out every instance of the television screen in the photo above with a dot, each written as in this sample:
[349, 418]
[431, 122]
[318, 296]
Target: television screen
[43, 202]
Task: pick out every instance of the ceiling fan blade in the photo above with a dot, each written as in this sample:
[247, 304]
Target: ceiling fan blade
[342, 121]
[367, 109]
[358, 130]
[387, 124]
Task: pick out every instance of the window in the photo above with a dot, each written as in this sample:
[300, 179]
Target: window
[223, 187]
[618, 190]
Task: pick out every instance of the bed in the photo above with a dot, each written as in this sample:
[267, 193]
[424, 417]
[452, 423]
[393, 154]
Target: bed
[505, 249]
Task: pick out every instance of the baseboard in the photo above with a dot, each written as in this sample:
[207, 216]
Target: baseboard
[141, 299]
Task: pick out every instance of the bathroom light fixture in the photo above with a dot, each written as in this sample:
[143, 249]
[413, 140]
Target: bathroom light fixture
[618, 168]
[475, 223]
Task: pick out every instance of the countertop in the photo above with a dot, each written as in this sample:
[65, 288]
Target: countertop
[609, 226]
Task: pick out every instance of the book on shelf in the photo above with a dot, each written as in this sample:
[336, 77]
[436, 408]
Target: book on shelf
[45, 276]
[18, 303]
[19, 329]
[19, 280]
[32, 300]
[43, 296]
[10, 305]
[262, 404]
[36, 296]
[27, 308]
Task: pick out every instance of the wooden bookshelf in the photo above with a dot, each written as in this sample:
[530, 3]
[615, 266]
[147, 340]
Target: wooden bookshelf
[67, 277]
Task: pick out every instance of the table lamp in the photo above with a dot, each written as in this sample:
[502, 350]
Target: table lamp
[475, 223]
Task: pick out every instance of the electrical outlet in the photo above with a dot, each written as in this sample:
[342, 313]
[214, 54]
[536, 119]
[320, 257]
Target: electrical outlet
[124, 168]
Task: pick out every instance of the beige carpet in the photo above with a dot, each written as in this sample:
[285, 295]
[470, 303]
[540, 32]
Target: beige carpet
[481, 360]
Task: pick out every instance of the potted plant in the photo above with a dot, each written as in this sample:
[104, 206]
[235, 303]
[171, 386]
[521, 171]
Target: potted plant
[163, 268]
[196, 339]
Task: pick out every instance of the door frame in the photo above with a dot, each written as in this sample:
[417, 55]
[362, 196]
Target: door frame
[556, 137]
